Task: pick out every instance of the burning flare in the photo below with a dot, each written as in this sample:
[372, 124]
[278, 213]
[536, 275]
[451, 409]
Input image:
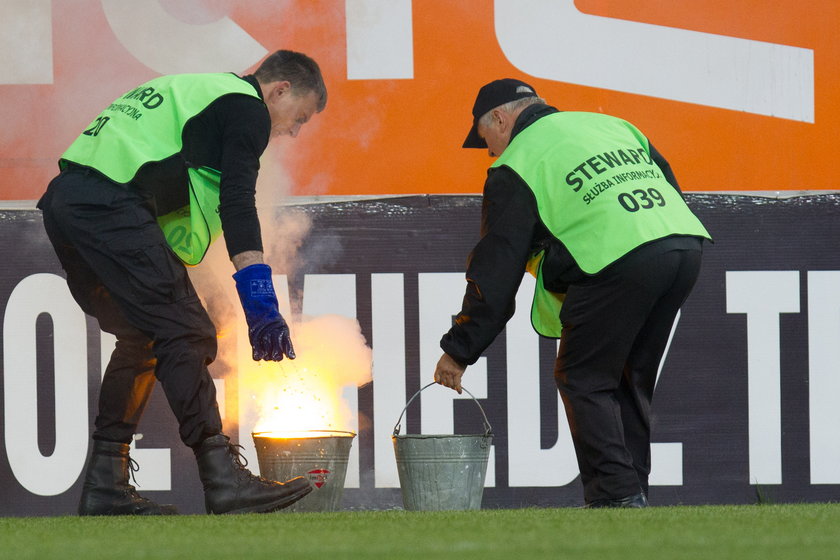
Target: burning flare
[301, 397]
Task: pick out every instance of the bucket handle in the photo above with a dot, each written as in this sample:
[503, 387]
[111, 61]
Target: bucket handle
[487, 429]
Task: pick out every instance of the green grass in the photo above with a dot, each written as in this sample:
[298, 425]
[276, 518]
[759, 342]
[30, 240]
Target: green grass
[719, 532]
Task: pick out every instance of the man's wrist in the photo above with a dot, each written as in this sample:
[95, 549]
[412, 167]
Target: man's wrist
[460, 362]
[246, 258]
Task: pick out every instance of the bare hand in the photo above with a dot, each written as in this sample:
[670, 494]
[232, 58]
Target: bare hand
[449, 372]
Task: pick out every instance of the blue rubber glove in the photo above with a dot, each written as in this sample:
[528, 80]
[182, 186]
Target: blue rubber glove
[267, 330]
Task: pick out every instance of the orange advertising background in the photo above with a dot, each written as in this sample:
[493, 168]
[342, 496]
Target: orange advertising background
[403, 136]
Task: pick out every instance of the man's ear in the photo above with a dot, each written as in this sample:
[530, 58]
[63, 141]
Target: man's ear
[501, 120]
[280, 88]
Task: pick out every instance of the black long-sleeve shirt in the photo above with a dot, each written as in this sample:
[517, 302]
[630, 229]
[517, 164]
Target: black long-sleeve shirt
[511, 231]
[229, 135]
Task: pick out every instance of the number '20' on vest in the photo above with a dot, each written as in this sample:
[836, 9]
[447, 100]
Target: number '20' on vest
[146, 125]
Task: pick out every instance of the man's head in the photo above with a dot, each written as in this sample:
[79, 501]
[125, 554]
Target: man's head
[495, 110]
[293, 90]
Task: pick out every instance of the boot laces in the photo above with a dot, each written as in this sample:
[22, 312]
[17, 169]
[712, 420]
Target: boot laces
[133, 467]
[238, 457]
[142, 503]
[242, 463]
[131, 491]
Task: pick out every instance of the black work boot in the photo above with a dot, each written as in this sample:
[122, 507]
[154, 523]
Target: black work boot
[106, 490]
[229, 487]
[634, 501]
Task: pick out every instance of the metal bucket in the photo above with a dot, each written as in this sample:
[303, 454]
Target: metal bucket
[321, 456]
[442, 472]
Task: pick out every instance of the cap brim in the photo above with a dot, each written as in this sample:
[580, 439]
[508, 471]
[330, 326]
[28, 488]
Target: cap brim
[473, 139]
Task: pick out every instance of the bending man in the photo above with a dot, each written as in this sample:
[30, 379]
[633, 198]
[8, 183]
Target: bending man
[585, 203]
[146, 187]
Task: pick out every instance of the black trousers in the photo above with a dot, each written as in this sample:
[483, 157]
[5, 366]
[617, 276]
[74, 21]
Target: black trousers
[121, 271]
[615, 329]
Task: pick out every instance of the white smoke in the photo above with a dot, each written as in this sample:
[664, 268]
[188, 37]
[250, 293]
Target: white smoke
[331, 351]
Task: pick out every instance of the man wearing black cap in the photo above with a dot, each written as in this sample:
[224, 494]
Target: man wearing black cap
[585, 203]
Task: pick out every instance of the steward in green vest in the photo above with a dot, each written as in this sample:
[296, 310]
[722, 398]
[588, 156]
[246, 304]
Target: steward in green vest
[597, 191]
[145, 125]
[592, 209]
[189, 144]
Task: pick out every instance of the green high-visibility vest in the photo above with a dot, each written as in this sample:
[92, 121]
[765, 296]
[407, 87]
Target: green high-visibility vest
[598, 192]
[146, 125]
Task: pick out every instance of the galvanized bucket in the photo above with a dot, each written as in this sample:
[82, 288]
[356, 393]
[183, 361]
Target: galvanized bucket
[321, 456]
[442, 472]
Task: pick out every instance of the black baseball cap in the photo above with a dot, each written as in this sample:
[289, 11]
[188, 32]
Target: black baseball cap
[489, 97]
